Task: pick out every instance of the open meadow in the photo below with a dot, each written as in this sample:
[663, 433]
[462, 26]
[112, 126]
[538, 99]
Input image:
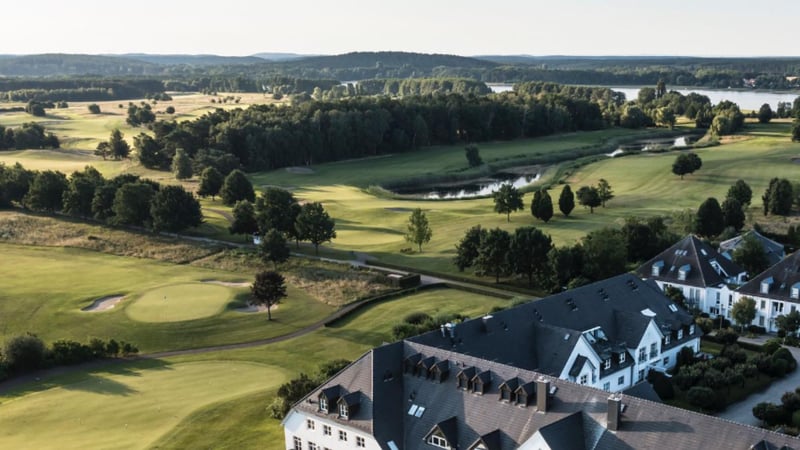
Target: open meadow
[212, 400]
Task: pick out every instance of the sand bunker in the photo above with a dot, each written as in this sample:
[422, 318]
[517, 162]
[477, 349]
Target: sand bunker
[255, 309]
[300, 170]
[229, 283]
[104, 304]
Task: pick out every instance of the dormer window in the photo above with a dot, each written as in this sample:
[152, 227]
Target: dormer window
[323, 405]
[480, 382]
[765, 285]
[680, 334]
[622, 357]
[343, 411]
[691, 329]
[683, 272]
[506, 395]
[795, 294]
[667, 339]
[657, 266]
[438, 440]
[607, 364]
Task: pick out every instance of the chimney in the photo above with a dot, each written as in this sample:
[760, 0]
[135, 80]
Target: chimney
[614, 413]
[542, 390]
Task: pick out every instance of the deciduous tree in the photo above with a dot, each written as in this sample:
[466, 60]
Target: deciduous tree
[210, 182]
[174, 209]
[277, 209]
[468, 248]
[686, 163]
[315, 225]
[765, 113]
[46, 192]
[237, 187]
[751, 256]
[80, 191]
[273, 248]
[117, 145]
[244, 218]
[605, 192]
[507, 199]
[181, 165]
[589, 197]
[268, 289]
[733, 214]
[710, 221]
[740, 191]
[493, 253]
[473, 155]
[528, 253]
[418, 230]
[744, 311]
[132, 204]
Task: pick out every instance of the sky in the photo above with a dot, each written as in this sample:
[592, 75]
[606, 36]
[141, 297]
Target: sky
[463, 27]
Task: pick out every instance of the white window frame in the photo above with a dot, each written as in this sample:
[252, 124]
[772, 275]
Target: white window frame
[323, 404]
[438, 441]
[310, 424]
[343, 411]
[680, 334]
[326, 430]
[343, 435]
[312, 446]
[298, 443]
[360, 442]
[621, 380]
[584, 379]
[622, 357]
[607, 364]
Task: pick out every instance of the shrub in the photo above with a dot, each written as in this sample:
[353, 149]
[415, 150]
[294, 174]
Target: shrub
[24, 353]
[662, 385]
[417, 318]
[756, 329]
[94, 108]
[771, 346]
[727, 336]
[702, 397]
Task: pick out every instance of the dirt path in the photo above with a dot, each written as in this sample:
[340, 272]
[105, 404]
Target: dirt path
[228, 216]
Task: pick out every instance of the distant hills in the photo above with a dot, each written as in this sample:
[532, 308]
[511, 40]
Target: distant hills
[192, 60]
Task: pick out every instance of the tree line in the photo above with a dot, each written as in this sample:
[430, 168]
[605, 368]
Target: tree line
[123, 200]
[29, 135]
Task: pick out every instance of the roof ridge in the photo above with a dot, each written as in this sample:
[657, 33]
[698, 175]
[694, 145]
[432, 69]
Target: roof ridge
[694, 241]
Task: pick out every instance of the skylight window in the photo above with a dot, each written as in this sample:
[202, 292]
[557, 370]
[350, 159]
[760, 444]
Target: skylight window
[412, 410]
[673, 308]
[420, 412]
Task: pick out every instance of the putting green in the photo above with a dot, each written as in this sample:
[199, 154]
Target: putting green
[179, 302]
[128, 406]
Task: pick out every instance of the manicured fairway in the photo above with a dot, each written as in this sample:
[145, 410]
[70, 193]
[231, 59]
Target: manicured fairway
[178, 302]
[125, 407]
[210, 401]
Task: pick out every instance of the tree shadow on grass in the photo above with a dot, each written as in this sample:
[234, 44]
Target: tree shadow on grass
[100, 385]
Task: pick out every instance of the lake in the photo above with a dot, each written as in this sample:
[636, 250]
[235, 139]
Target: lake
[471, 189]
[745, 99]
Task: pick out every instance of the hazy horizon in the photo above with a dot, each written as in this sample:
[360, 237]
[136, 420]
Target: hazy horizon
[712, 28]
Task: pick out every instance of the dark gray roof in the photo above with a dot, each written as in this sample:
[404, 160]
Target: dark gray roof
[449, 428]
[774, 250]
[491, 440]
[644, 391]
[540, 335]
[698, 256]
[468, 417]
[567, 433]
[784, 275]
[577, 366]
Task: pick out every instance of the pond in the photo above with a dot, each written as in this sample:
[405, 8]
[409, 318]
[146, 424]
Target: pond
[647, 145]
[746, 99]
[474, 188]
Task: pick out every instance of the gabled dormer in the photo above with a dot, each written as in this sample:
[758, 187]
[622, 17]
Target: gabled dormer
[489, 441]
[410, 363]
[481, 382]
[348, 405]
[464, 378]
[440, 370]
[424, 366]
[508, 390]
[328, 397]
[525, 393]
[795, 293]
[444, 434]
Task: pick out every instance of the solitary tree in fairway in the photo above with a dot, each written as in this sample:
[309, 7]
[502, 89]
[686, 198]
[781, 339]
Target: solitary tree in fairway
[315, 225]
[419, 230]
[507, 199]
[118, 146]
[686, 163]
[268, 289]
[566, 201]
[473, 156]
[744, 311]
[605, 192]
[588, 196]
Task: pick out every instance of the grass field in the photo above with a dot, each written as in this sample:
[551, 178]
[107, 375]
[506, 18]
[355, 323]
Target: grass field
[45, 289]
[643, 186]
[179, 302]
[214, 400]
